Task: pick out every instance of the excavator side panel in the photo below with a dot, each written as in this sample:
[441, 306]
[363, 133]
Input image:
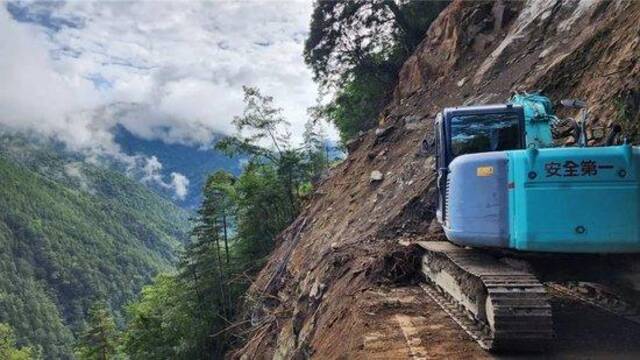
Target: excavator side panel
[575, 200]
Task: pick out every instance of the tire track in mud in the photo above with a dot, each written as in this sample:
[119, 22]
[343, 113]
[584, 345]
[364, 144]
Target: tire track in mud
[411, 336]
[403, 323]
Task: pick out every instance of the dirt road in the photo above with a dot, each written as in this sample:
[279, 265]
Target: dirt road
[403, 323]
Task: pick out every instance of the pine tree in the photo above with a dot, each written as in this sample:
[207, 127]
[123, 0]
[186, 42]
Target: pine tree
[100, 339]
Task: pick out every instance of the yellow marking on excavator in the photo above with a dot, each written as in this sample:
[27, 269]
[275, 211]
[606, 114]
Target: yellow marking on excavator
[484, 171]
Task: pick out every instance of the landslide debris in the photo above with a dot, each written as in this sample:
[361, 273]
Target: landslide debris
[329, 288]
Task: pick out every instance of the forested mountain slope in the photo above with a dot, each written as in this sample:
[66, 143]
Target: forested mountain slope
[72, 234]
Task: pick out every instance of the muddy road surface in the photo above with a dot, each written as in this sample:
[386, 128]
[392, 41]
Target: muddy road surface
[404, 323]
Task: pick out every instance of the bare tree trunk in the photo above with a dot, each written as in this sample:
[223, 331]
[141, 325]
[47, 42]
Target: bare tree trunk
[223, 291]
[226, 250]
[226, 238]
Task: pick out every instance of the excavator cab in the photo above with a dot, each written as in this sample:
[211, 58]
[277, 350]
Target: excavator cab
[474, 129]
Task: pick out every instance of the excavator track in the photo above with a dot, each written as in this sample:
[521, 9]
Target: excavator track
[500, 307]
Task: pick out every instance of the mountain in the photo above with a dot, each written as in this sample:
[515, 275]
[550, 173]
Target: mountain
[72, 233]
[338, 283]
[194, 162]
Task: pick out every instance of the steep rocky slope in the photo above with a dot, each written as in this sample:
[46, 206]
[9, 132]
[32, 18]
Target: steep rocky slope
[331, 288]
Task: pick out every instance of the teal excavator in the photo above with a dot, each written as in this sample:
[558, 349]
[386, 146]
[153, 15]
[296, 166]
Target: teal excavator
[503, 184]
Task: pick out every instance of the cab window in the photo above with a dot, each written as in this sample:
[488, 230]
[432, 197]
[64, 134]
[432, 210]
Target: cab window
[475, 133]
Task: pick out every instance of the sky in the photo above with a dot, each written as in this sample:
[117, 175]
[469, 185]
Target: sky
[169, 70]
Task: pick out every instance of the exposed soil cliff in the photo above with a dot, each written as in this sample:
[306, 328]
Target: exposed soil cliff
[331, 288]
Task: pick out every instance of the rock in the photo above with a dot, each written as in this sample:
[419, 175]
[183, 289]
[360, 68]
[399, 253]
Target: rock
[589, 134]
[353, 144]
[317, 290]
[412, 122]
[410, 78]
[598, 133]
[285, 344]
[376, 176]
[381, 132]
[299, 316]
[570, 141]
[461, 82]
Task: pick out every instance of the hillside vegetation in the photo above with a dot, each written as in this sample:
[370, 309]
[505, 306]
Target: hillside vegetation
[72, 234]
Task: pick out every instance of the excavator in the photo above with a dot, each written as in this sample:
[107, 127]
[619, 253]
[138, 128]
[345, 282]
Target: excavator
[504, 185]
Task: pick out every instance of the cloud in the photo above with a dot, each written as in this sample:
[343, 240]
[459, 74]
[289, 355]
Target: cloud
[74, 170]
[38, 93]
[164, 70]
[152, 170]
[180, 184]
[152, 174]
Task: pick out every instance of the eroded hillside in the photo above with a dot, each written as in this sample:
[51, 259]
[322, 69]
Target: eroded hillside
[326, 291]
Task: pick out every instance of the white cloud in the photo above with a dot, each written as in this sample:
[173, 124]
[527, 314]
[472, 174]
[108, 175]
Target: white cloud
[152, 170]
[37, 92]
[152, 174]
[180, 184]
[171, 70]
[166, 70]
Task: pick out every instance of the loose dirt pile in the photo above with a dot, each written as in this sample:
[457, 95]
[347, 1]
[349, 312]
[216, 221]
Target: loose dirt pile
[327, 292]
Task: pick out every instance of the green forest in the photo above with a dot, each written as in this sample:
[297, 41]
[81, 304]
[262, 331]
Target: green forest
[63, 248]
